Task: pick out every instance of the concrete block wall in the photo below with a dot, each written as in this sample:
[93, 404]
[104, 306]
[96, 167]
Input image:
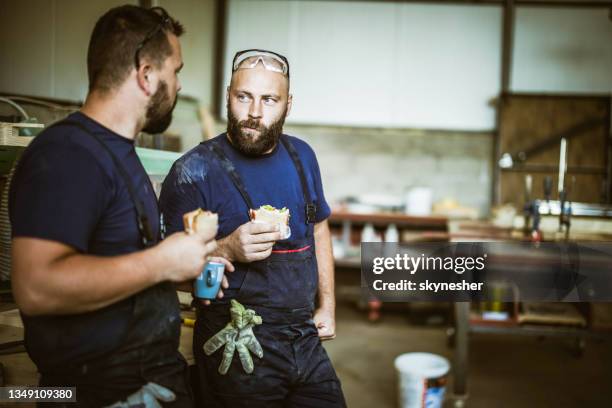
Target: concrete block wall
[355, 161]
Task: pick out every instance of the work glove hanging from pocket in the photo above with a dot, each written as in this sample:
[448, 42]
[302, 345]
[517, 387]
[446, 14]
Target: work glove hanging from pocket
[237, 335]
[148, 397]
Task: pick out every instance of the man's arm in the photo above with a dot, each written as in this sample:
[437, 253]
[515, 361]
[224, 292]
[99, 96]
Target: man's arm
[50, 277]
[325, 316]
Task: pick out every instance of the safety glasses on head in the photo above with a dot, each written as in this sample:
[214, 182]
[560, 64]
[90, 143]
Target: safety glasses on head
[165, 22]
[270, 60]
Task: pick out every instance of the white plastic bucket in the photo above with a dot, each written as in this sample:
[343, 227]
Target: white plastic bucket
[422, 379]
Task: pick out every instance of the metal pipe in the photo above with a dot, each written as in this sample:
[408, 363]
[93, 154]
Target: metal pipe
[16, 106]
[562, 166]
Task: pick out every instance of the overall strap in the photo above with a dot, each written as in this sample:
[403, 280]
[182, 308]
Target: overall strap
[144, 227]
[229, 167]
[310, 208]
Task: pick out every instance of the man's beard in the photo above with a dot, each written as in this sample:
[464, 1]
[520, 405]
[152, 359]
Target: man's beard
[159, 111]
[250, 144]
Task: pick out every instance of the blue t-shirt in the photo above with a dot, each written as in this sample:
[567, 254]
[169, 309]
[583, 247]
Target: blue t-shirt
[197, 180]
[67, 189]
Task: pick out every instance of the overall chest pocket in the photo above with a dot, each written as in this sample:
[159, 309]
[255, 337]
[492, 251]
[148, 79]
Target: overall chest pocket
[287, 279]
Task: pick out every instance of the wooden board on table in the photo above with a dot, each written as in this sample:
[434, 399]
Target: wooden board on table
[563, 314]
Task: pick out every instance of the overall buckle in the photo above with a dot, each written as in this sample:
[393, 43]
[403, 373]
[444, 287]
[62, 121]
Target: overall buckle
[311, 213]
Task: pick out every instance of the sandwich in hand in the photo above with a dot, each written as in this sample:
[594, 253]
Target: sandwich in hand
[271, 215]
[201, 222]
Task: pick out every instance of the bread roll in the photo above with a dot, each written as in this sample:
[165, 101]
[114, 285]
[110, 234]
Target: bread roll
[274, 216]
[201, 222]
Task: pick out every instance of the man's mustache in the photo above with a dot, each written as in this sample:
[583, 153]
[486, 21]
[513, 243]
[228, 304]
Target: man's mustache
[252, 124]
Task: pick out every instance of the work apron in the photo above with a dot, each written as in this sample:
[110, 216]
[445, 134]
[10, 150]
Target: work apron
[282, 290]
[132, 342]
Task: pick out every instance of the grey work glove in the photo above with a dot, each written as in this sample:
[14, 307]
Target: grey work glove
[148, 397]
[237, 335]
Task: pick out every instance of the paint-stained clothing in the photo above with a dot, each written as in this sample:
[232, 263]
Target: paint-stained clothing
[295, 370]
[197, 180]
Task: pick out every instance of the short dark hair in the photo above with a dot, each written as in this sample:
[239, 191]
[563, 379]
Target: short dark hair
[115, 40]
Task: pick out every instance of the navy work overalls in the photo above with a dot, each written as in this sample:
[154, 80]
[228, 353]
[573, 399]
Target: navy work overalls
[132, 342]
[295, 370]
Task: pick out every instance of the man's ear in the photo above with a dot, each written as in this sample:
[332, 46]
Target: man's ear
[144, 79]
[227, 92]
[289, 103]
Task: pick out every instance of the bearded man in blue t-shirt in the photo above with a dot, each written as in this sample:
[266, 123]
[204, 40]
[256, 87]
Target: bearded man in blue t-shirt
[270, 316]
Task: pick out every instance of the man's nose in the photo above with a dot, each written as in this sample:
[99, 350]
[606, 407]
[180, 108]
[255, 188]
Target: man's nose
[255, 110]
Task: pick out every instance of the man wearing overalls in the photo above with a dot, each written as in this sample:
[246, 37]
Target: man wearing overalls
[94, 287]
[273, 325]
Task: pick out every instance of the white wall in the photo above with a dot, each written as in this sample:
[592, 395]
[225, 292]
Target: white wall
[378, 63]
[562, 50]
[353, 63]
[43, 45]
[421, 66]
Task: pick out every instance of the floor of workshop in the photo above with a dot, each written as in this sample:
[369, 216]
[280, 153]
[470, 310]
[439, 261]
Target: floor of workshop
[504, 371]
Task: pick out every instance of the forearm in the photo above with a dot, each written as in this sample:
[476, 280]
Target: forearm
[80, 283]
[224, 249]
[325, 264]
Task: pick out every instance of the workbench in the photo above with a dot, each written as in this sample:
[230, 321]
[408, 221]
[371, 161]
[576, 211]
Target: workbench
[467, 323]
[346, 227]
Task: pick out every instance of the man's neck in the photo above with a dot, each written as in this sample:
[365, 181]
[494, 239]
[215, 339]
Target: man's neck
[113, 112]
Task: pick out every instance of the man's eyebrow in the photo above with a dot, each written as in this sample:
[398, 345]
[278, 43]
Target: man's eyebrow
[180, 67]
[271, 95]
[243, 91]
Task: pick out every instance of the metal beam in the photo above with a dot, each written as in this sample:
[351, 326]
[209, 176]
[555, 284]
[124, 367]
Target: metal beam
[220, 45]
[507, 45]
[462, 329]
[543, 3]
[506, 76]
[565, 3]
[608, 192]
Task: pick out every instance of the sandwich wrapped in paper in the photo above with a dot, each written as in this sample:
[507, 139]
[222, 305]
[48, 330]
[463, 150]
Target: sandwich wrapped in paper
[275, 216]
[201, 222]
